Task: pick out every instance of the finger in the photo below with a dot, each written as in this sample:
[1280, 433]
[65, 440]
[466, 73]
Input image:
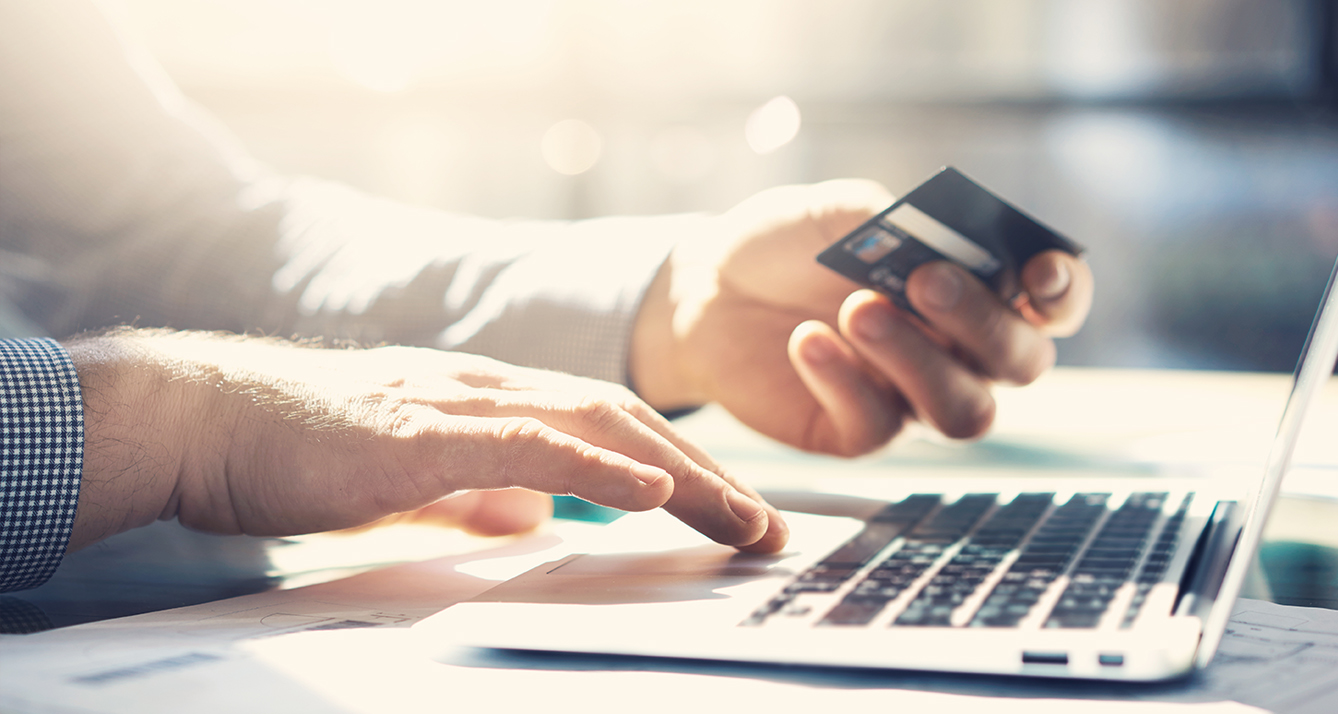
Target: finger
[777, 532]
[1059, 291]
[689, 500]
[1001, 344]
[856, 413]
[495, 453]
[940, 389]
[700, 497]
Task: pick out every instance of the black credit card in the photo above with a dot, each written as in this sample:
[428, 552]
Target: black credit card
[948, 217]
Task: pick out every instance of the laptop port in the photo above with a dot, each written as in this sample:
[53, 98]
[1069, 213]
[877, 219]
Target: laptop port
[1045, 658]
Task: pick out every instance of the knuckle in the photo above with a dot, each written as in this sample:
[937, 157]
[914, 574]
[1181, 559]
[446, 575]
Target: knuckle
[524, 453]
[1038, 364]
[522, 433]
[996, 333]
[624, 400]
[620, 394]
[402, 417]
[869, 441]
[1011, 354]
[639, 410]
[971, 419]
[867, 436]
[599, 414]
[1023, 358]
[696, 477]
[850, 448]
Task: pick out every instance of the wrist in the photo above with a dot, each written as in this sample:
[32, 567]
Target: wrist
[650, 361]
[669, 359]
[132, 453]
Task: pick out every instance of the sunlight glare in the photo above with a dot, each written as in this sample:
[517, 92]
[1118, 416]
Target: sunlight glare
[390, 45]
[772, 125]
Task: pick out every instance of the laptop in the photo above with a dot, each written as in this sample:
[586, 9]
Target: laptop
[1104, 578]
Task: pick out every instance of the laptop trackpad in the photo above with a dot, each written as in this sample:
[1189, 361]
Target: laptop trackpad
[694, 570]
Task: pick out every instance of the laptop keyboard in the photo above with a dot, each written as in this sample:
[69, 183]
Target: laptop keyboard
[973, 563]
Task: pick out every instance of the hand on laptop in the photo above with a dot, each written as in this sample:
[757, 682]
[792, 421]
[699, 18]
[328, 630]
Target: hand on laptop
[245, 435]
[747, 318]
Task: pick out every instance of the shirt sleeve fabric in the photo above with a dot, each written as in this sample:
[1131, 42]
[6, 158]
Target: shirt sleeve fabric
[121, 203]
[41, 458]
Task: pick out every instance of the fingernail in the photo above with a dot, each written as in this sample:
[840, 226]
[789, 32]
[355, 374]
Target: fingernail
[745, 508]
[941, 287]
[1054, 283]
[817, 350]
[649, 474]
[873, 323]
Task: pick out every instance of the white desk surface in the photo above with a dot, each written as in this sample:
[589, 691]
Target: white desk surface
[344, 645]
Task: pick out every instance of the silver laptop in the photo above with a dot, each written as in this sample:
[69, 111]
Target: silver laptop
[1104, 578]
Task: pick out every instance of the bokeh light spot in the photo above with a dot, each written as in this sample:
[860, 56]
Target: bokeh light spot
[772, 125]
[571, 147]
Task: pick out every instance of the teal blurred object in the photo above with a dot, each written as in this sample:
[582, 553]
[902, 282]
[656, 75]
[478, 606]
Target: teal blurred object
[1301, 573]
[572, 508]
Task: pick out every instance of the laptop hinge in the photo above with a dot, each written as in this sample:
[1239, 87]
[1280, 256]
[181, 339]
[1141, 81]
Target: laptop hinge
[1203, 574]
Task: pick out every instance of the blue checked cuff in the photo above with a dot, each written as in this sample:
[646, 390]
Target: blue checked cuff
[41, 458]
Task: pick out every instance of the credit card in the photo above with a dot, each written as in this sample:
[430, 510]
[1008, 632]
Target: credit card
[948, 217]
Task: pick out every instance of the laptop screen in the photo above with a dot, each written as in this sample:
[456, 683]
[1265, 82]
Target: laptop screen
[1313, 370]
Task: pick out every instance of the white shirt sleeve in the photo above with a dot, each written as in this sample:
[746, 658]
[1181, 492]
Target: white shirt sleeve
[120, 203]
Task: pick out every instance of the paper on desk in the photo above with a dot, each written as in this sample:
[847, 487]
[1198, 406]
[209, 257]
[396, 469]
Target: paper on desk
[377, 671]
[1284, 658]
[295, 654]
[344, 646]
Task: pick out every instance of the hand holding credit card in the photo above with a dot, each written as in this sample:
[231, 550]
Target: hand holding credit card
[743, 316]
[949, 217]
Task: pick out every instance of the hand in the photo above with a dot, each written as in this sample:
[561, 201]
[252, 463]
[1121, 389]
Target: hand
[745, 316]
[244, 435]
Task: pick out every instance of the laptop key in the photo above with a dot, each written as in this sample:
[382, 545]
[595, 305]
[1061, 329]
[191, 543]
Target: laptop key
[1158, 560]
[832, 572]
[973, 564]
[1098, 575]
[859, 550]
[854, 611]
[924, 546]
[1043, 558]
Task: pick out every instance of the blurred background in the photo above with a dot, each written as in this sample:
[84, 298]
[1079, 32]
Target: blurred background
[1190, 145]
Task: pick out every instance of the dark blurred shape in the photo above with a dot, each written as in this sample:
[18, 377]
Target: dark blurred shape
[156, 567]
[1324, 21]
[1304, 574]
[18, 617]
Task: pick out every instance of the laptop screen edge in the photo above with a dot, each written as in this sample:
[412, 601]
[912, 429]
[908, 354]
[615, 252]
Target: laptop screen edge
[1313, 371]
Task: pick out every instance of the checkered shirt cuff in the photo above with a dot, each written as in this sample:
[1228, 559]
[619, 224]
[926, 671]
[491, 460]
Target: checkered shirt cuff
[41, 458]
